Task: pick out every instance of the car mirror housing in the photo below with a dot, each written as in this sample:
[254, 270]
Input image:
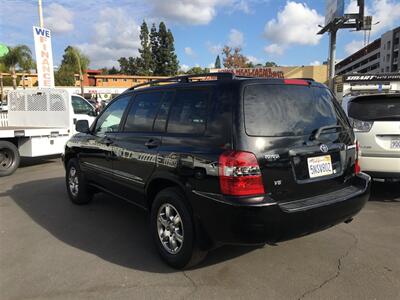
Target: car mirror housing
[82, 126]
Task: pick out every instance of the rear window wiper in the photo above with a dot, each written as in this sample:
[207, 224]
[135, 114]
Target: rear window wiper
[316, 135]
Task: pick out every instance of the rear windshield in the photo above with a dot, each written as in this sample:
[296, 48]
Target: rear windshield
[289, 110]
[375, 108]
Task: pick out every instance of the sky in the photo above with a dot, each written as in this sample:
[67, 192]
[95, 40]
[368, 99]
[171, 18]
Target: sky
[283, 31]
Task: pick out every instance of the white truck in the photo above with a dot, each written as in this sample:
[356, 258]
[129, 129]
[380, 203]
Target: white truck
[39, 123]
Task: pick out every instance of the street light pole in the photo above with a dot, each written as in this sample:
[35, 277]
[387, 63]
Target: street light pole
[332, 56]
[40, 14]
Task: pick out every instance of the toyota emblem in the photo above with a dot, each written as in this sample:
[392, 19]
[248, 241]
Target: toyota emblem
[324, 148]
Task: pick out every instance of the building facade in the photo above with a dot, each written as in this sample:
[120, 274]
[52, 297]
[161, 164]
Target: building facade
[380, 56]
[318, 73]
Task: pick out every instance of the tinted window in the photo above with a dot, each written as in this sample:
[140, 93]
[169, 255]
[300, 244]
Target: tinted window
[162, 116]
[81, 106]
[143, 111]
[111, 117]
[288, 110]
[189, 112]
[374, 108]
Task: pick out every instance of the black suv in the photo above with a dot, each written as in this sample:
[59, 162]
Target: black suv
[229, 160]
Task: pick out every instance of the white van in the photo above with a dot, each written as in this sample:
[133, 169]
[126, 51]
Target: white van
[376, 122]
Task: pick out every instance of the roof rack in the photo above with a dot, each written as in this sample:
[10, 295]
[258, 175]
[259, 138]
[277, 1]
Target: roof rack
[185, 79]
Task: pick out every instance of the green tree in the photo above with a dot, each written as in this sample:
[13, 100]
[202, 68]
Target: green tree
[17, 57]
[217, 63]
[130, 65]
[166, 59]
[270, 64]
[106, 71]
[154, 47]
[146, 58]
[74, 61]
[197, 70]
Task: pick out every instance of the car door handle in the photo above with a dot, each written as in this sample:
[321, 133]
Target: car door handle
[152, 143]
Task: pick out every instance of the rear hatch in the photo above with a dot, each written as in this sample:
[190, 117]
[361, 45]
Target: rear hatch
[301, 137]
[376, 121]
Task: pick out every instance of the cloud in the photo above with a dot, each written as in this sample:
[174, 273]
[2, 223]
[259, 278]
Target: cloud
[353, 46]
[253, 59]
[189, 51]
[115, 35]
[386, 12]
[315, 63]
[235, 38]
[274, 49]
[58, 18]
[295, 24]
[195, 12]
[184, 68]
[215, 49]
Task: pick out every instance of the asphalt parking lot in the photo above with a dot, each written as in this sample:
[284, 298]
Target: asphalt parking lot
[52, 249]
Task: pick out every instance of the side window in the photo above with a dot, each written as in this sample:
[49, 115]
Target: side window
[112, 115]
[162, 116]
[189, 112]
[143, 111]
[81, 107]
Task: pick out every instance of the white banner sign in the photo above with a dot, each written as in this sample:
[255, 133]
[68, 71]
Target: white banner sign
[44, 57]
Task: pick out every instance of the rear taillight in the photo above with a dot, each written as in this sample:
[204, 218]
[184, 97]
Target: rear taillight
[357, 167]
[239, 174]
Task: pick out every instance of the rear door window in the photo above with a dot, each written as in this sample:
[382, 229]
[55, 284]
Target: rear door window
[375, 108]
[289, 110]
[189, 111]
[143, 111]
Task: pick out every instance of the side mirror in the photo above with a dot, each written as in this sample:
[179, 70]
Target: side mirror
[82, 126]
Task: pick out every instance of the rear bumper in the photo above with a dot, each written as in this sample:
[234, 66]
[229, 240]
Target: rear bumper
[227, 222]
[381, 167]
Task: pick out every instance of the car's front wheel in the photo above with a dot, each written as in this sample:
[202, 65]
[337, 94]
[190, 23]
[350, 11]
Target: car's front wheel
[77, 187]
[173, 229]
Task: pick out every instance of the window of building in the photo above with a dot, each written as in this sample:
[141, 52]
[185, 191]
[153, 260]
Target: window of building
[387, 69]
[189, 112]
[105, 80]
[143, 111]
[388, 45]
[115, 79]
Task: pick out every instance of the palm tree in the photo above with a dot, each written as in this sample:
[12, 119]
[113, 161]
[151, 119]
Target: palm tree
[20, 56]
[80, 61]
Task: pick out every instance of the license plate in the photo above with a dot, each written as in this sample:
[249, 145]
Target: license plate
[319, 166]
[395, 144]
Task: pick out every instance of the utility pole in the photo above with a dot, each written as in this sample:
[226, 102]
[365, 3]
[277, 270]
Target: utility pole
[357, 21]
[332, 56]
[40, 14]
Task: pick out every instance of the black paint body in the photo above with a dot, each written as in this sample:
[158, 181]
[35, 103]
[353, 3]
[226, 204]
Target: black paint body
[136, 165]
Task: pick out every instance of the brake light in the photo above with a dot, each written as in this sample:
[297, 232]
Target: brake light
[357, 167]
[239, 174]
[296, 81]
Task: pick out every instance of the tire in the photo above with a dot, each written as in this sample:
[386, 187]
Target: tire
[9, 158]
[77, 187]
[186, 253]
